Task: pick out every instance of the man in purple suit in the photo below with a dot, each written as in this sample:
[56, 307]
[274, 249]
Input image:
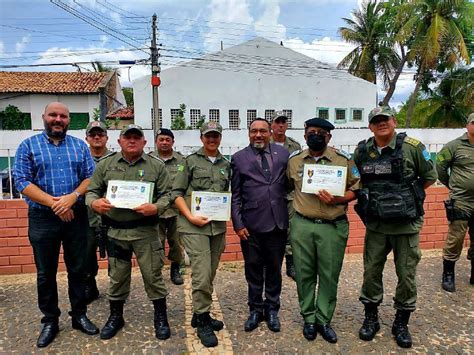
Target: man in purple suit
[260, 218]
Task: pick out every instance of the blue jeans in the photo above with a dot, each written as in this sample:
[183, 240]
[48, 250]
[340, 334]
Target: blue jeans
[46, 233]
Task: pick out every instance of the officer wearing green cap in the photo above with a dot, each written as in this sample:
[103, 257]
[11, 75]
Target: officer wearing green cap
[319, 229]
[279, 127]
[204, 240]
[395, 171]
[168, 221]
[132, 230]
[96, 137]
[455, 166]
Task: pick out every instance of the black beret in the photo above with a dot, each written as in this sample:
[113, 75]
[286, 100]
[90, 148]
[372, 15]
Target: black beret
[165, 132]
[319, 122]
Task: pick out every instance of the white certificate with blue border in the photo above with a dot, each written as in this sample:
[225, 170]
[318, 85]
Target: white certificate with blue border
[129, 194]
[318, 177]
[213, 205]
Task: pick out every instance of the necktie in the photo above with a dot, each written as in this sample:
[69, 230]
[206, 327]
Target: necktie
[265, 166]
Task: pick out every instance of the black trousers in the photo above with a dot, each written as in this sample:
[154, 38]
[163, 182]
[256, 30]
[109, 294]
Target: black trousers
[46, 233]
[263, 255]
[92, 265]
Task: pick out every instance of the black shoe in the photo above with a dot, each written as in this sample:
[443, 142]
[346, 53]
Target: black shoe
[115, 321]
[84, 325]
[175, 275]
[252, 322]
[471, 280]
[309, 331]
[162, 328]
[327, 332]
[91, 291]
[215, 323]
[400, 329]
[204, 330]
[448, 283]
[290, 268]
[371, 323]
[273, 322]
[47, 335]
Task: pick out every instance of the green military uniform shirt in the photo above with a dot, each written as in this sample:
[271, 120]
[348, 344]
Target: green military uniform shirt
[146, 168]
[309, 205]
[198, 173]
[416, 163]
[94, 218]
[455, 166]
[290, 144]
[172, 165]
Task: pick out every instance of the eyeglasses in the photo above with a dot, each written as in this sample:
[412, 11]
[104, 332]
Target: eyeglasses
[319, 133]
[100, 135]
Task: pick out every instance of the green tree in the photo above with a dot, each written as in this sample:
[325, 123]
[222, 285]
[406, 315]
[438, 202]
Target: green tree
[128, 93]
[100, 68]
[179, 122]
[200, 122]
[12, 118]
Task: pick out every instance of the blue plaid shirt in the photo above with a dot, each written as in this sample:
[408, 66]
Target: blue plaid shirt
[56, 169]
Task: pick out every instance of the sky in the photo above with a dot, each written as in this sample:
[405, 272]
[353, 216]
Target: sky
[37, 32]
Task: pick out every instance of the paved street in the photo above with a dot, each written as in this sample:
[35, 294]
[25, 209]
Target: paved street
[443, 323]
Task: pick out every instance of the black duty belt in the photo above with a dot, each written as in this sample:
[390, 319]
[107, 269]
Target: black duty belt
[324, 221]
[141, 222]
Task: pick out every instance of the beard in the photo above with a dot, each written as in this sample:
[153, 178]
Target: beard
[55, 134]
[259, 145]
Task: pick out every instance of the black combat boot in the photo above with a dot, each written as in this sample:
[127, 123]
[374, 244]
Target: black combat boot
[162, 328]
[115, 321]
[290, 268]
[215, 323]
[400, 329]
[448, 276]
[175, 275]
[371, 322]
[205, 331]
[471, 280]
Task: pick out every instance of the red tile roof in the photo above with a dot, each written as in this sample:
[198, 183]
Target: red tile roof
[53, 82]
[124, 112]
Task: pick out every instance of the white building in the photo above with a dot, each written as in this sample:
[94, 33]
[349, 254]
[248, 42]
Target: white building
[254, 79]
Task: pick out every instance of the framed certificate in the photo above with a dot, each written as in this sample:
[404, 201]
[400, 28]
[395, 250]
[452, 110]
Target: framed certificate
[318, 177]
[213, 205]
[129, 194]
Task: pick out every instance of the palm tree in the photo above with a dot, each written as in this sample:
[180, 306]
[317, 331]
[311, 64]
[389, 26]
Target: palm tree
[437, 36]
[375, 52]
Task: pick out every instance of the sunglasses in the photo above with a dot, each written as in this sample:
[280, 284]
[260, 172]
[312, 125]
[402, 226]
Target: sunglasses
[98, 134]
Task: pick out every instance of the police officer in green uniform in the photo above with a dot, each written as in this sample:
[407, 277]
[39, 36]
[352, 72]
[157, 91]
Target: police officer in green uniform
[204, 240]
[395, 171]
[319, 229]
[279, 127]
[168, 220]
[455, 166]
[96, 137]
[132, 230]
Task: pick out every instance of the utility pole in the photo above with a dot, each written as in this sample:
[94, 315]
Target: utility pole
[155, 79]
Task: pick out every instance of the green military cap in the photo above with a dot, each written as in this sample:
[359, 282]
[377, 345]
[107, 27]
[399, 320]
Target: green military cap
[381, 111]
[470, 118]
[97, 125]
[211, 126]
[132, 128]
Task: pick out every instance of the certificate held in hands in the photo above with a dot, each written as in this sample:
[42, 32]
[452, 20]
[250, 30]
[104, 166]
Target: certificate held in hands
[213, 205]
[318, 177]
[129, 194]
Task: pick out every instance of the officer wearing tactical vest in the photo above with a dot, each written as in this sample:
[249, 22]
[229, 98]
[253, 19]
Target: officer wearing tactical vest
[168, 220]
[279, 137]
[132, 230]
[455, 166]
[395, 171]
[319, 229]
[96, 137]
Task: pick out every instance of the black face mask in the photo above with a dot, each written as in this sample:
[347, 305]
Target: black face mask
[316, 142]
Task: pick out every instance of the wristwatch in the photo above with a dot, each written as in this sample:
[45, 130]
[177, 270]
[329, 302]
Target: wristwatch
[77, 194]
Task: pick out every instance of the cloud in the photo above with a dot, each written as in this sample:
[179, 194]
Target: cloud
[2, 48]
[20, 46]
[325, 50]
[270, 18]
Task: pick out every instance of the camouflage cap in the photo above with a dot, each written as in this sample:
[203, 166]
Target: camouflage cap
[211, 126]
[130, 128]
[470, 118]
[98, 125]
[381, 111]
[279, 115]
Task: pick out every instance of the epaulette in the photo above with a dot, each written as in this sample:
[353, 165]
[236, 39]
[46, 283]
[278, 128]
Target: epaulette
[412, 141]
[155, 157]
[106, 156]
[342, 153]
[295, 153]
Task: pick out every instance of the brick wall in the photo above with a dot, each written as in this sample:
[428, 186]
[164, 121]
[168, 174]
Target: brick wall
[16, 255]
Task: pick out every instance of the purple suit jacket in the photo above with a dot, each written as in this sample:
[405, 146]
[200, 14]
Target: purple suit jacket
[257, 204]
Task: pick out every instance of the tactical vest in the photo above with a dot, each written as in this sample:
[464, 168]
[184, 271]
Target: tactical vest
[387, 194]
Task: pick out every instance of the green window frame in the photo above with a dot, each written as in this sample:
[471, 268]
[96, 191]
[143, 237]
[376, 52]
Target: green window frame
[354, 111]
[79, 120]
[323, 109]
[337, 111]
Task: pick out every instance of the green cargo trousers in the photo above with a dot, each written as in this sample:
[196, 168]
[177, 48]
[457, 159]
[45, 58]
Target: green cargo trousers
[406, 254]
[455, 240]
[204, 253]
[150, 258]
[318, 252]
[167, 229]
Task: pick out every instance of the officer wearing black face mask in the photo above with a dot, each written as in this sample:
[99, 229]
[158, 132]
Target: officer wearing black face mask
[319, 229]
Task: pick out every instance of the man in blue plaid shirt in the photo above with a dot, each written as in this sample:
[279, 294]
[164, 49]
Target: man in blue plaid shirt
[52, 169]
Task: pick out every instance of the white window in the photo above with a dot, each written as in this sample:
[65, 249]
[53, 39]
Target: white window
[251, 115]
[174, 113]
[323, 113]
[269, 114]
[289, 114]
[340, 115]
[357, 114]
[233, 119]
[160, 118]
[214, 115]
[194, 115]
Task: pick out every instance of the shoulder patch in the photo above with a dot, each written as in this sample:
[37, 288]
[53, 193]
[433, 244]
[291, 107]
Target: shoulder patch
[343, 153]
[355, 172]
[295, 153]
[426, 154]
[412, 141]
[106, 156]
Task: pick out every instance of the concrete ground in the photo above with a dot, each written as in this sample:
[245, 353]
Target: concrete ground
[443, 323]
